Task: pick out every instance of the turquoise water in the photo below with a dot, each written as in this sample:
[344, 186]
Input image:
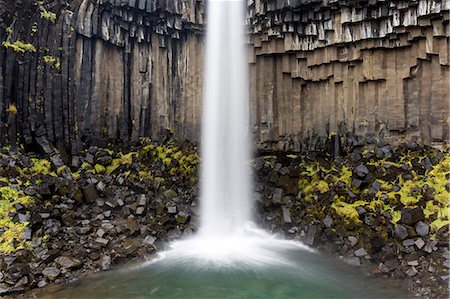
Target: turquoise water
[306, 276]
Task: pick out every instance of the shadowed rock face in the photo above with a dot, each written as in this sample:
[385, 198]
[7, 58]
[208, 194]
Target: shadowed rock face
[123, 69]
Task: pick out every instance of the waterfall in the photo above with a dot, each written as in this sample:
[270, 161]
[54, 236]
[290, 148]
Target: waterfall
[227, 235]
[225, 149]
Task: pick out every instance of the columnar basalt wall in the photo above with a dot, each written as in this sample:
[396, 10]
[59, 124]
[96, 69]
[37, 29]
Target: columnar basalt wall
[373, 69]
[117, 70]
[103, 71]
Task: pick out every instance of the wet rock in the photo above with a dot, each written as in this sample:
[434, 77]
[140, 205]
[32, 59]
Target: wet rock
[51, 272]
[328, 221]
[277, 196]
[354, 261]
[410, 216]
[411, 272]
[286, 215]
[422, 229]
[361, 171]
[360, 252]
[149, 240]
[311, 235]
[105, 262]
[67, 262]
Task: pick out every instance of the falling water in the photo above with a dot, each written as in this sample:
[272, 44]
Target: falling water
[225, 171]
[226, 233]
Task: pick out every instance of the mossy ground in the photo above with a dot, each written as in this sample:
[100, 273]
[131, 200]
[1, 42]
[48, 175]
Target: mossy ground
[404, 178]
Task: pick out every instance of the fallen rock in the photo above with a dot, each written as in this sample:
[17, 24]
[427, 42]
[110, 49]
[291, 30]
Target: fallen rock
[410, 216]
[360, 252]
[90, 192]
[286, 214]
[328, 221]
[353, 241]
[105, 262]
[277, 196]
[182, 217]
[51, 272]
[361, 170]
[422, 229]
[67, 262]
[354, 261]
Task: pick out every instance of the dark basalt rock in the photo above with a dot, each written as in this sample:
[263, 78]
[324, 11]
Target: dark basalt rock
[411, 215]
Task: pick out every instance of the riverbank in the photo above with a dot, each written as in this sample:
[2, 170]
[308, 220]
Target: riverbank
[378, 208]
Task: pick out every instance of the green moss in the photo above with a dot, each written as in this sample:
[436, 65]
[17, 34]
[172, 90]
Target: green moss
[11, 233]
[48, 15]
[20, 47]
[99, 168]
[41, 166]
[53, 61]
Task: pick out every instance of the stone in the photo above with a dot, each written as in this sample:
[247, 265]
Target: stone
[170, 194]
[89, 158]
[172, 209]
[90, 192]
[353, 241]
[430, 246]
[410, 216]
[360, 252]
[42, 284]
[140, 210]
[361, 170]
[286, 212]
[408, 242]
[51, 272]
[357, 183]
[412, 271]
[100, 232]
[101, 186]
[419, 243]
[149, 240]
[311, 235]
[328, 221]
[422, 229]
[4, 288]
[67, 262]
[102, 241]
[27, 233]
[105, 262]
[22, 282]
[23, 217]
[277, 195]
[354, 261]
[182, 218]
[142, 200]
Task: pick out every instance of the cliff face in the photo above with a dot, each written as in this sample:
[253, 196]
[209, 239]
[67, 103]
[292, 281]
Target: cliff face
[117, 70]
[378, 69]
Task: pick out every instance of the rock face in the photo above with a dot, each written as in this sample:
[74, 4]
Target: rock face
[119, 70]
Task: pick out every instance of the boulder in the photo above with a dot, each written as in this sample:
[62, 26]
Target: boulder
[401, 232]
[422, 229]
[51, 272]
[411, 216]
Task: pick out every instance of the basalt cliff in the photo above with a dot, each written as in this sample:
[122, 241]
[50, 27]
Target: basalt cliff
[82, 72]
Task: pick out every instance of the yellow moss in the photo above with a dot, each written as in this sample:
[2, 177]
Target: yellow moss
[41, 166]
[99, 168]
[11, 233]
[48, 15]
[12, 109]
[348, 211]
[20, 47]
